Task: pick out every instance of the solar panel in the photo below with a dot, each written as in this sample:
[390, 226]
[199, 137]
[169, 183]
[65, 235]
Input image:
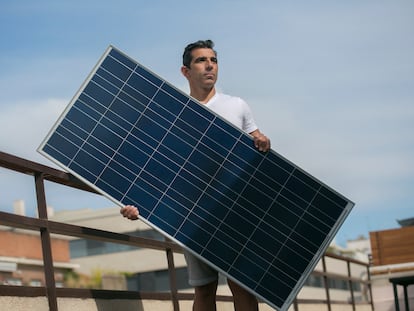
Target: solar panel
[256, 217]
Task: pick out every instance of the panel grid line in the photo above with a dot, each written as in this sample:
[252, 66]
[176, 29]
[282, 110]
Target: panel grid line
[293, 228]
[185, 162]
[208, 184]
[95, 126]
[172, 181]
[150, 157]
[260, 221]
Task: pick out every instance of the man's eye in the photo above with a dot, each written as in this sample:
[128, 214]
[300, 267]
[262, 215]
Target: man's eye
[214, 60]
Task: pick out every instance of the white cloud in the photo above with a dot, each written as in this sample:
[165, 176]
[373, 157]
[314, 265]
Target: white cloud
[24, 125]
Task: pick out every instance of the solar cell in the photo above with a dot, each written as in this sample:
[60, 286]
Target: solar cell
[256, 217]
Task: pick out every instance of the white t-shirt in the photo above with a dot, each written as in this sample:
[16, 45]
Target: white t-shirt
[234, 110]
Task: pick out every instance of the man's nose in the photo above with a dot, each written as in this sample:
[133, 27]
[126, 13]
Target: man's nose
[209, 64]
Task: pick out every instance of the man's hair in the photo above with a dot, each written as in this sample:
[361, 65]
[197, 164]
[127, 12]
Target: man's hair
[200, 44]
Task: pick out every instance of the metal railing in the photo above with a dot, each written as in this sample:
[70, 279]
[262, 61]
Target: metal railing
[46, 228]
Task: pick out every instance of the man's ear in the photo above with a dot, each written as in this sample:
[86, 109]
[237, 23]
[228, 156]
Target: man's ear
[184, 71]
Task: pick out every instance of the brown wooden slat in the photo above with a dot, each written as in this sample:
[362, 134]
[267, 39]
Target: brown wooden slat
[393, 246]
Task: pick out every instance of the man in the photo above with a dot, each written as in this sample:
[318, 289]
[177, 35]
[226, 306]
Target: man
[200, 67]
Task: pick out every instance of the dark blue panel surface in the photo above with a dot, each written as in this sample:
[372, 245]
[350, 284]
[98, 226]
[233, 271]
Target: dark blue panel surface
[254, 216]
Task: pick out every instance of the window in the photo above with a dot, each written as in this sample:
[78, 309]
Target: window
[36, 283]
[13, 281]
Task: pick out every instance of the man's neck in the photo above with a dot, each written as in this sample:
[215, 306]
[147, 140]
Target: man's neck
[203, 95]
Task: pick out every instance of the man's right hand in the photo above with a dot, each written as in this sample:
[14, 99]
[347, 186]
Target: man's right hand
[130, 212]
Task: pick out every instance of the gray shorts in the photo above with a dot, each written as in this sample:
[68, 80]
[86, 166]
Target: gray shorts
[199, 273]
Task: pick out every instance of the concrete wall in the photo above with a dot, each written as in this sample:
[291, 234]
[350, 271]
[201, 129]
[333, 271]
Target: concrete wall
[383, 292]
[18, 244]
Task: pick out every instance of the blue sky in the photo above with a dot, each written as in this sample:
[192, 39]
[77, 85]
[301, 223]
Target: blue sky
[330, 82]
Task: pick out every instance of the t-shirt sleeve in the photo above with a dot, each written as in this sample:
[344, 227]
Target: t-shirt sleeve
[249, 124]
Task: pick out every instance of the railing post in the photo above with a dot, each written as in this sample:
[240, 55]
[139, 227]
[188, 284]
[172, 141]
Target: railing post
[370, 287]
[173, 279]
[295, 304]
[46, 244]
[348, 264]
[325, 279]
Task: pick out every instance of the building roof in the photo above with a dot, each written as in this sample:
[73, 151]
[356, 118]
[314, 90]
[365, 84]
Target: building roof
[406, 222]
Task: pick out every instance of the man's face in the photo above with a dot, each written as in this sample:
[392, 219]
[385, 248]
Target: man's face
[203, 68]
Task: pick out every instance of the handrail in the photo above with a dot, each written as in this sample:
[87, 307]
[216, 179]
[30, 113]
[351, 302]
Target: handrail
[24, 222]
[31, 168]
[47, 227]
